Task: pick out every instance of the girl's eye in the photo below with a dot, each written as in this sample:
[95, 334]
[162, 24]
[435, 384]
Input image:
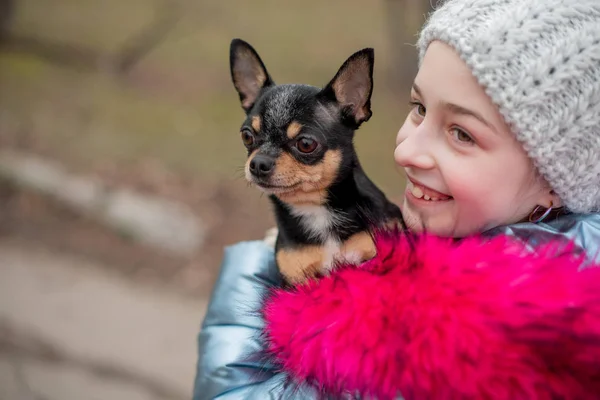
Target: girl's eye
[418, 108]
[247, 137]
[461, 136]
[306, 145]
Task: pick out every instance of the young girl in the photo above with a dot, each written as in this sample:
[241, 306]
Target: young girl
[502, 153]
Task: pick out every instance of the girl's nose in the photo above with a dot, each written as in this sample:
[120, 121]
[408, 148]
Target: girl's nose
[412, 150]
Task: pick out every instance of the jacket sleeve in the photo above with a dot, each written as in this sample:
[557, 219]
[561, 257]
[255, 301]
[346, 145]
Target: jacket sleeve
[229, 335]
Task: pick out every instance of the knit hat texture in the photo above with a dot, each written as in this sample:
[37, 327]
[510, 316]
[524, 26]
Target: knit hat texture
[539, 62]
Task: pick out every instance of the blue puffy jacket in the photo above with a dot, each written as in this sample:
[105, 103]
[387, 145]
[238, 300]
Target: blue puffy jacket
[229, 331]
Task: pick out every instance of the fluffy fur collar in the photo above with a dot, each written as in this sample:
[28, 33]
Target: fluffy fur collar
[474, 319]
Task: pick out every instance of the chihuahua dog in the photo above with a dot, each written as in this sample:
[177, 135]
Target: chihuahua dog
[299, 140]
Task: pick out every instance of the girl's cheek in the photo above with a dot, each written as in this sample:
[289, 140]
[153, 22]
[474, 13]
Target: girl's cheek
[462, 183]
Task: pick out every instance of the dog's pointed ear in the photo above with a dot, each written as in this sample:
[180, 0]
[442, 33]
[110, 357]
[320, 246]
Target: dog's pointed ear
[248, 72]
[352, 86]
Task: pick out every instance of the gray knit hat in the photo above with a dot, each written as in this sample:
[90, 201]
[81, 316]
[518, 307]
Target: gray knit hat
[539, 61]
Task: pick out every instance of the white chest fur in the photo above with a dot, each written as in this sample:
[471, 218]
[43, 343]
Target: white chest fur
[319, 222]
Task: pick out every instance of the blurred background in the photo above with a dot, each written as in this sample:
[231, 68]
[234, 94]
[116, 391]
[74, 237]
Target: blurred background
[120, 179]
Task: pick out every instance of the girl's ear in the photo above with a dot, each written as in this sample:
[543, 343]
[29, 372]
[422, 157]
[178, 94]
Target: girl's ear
[554, 199]
[549, 204]
[547, 197]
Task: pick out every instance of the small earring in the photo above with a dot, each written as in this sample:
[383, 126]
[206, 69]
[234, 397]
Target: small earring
[543, 216]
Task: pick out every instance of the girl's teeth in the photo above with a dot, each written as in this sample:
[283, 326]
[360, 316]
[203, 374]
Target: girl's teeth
[418, 193]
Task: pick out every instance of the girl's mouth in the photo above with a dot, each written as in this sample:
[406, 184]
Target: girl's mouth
[424, 193]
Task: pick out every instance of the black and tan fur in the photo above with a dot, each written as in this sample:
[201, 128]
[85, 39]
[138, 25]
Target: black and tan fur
[325, 205]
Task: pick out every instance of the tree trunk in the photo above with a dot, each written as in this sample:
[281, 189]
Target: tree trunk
[404, 19]
[6, 11]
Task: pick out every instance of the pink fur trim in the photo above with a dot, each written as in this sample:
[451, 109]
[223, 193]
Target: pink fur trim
[476, 319]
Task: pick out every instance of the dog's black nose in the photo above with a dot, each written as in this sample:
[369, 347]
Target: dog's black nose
[261, 166]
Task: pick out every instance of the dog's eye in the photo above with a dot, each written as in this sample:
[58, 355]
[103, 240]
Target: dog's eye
[306, 145]
[247, 137]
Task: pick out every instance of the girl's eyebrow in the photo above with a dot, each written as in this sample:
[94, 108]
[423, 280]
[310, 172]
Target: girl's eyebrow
[456, 109]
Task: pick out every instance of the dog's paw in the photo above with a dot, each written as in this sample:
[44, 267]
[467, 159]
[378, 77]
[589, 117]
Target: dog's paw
[271, 237]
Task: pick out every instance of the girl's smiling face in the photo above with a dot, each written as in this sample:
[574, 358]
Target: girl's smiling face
[466, 171]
